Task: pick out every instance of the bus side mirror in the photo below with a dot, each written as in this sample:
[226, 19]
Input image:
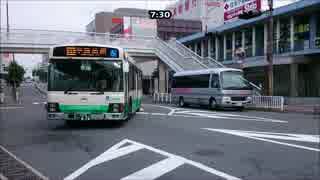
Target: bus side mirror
[126, 66]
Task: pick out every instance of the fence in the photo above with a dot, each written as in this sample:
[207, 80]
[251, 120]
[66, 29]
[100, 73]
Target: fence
[268, 102]
[165, 98]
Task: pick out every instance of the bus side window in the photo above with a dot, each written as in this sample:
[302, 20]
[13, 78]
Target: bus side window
[215, 81]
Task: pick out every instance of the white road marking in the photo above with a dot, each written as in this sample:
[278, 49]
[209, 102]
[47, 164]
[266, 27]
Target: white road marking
[113, 153]
[11, 107]
[213, 115]
[36, 103]
[142, 113]
[263, 135]
[151, 172]
[156, 170]
[160, 114]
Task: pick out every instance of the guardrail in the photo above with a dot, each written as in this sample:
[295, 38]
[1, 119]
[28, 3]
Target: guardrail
[268, 102]
[164, 98]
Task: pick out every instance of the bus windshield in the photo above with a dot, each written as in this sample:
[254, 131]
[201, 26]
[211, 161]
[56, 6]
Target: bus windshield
[233, 80]
[85, 75]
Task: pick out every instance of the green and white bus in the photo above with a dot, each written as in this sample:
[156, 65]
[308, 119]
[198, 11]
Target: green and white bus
[92, 82]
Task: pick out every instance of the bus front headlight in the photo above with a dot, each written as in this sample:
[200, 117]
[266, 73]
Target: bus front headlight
[52, 107]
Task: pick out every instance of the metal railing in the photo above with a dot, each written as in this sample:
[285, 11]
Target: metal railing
[268, 102]
[205, 61]
[165, 98]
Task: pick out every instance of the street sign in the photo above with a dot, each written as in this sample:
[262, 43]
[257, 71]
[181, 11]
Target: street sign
[233, 8]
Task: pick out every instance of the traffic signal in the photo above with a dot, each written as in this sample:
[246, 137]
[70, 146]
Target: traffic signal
[250, 14]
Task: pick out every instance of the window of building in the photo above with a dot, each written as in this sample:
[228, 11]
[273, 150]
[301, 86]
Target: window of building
[205, 48]
[301, 33]
[199, 48]
[238, 42]
[213, 47]
[229, 46]
[259, 40]
[318, 32]
[248, 42]
[221, 49]
[284, 39]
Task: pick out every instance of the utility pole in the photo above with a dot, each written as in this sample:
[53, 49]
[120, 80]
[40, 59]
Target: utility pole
[7, 8]
[270, 50]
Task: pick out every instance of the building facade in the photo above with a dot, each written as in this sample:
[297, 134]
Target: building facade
[296, 48]
[177, 28]
[104, 22]
[209, 12]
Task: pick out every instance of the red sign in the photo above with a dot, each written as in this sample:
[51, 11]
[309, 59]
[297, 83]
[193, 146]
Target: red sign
[117, 20]
[214, 3]
[186, 5]
[194, 3]
[233, 8]
[180, 9]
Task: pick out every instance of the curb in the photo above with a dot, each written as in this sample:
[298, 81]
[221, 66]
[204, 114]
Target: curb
[27, 168]
[2, 177]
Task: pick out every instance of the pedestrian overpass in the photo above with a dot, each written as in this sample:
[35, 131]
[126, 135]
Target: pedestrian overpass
[140, 48]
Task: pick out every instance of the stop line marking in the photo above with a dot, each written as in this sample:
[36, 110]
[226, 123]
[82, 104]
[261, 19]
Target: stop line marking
[183, 112]
[267, 136]
[151, 172]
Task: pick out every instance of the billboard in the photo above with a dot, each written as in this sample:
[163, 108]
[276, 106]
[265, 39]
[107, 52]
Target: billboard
[233, 8]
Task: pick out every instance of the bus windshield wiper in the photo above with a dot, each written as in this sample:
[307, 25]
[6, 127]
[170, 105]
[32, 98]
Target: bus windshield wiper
[69, 89]
[99, 91]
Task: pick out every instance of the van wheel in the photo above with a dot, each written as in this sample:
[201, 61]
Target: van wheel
[212, 104]
[181, 102]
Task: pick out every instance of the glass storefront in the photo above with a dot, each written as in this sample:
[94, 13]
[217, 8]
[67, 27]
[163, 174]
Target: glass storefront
[301, 33]
[248, 42]
[199, 48]
[238, 42]
[213, 47]
[221, 49]
[229, 46]
[260, 40]
[284, 40]
[205, 48]
[317, 41]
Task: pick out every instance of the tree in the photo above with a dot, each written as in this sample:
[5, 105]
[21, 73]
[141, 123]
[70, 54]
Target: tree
[15, 74]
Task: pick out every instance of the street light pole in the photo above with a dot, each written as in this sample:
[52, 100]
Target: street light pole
[7, 8]
[270, 50]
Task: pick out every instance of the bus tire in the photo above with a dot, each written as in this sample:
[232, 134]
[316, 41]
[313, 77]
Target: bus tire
[212, 104]
[181, 102]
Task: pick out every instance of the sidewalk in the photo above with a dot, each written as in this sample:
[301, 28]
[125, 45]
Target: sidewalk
[8, 97]
[315, 109]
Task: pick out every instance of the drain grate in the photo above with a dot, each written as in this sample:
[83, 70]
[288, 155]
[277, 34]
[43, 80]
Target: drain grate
[12, 168]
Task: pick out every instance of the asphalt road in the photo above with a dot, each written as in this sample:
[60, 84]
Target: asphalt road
[164, 142]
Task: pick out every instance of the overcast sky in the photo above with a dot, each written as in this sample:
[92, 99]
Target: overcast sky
[69, 15]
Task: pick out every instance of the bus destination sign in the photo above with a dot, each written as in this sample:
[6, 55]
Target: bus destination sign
[85, 51]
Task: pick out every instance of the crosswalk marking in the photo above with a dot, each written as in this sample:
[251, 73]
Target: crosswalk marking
[267, 136]
[151, 172]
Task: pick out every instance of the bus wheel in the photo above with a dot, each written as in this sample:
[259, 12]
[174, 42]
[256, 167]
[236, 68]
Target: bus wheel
[181, 102]
[212, 104]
